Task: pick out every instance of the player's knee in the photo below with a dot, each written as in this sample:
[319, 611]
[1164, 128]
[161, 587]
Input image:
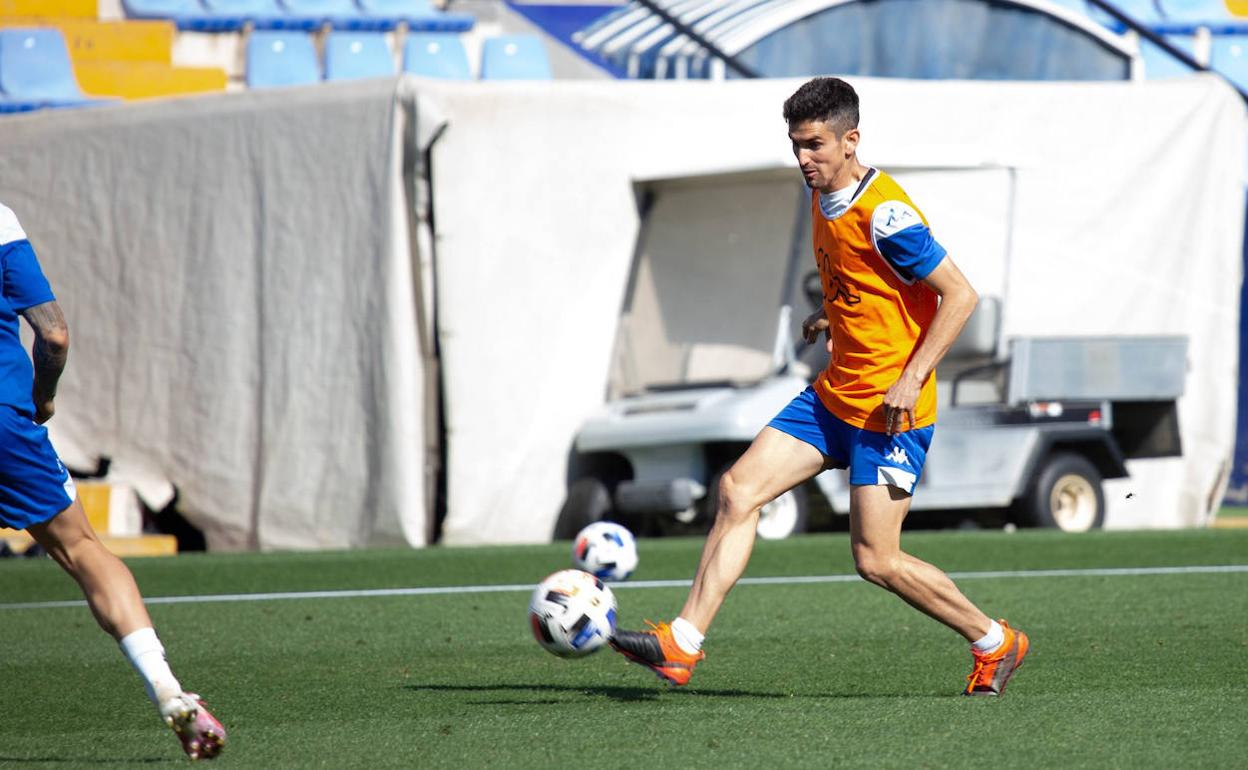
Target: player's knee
[877, 568]
[735, 498]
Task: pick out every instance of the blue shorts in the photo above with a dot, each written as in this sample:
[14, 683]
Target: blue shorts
[872, 458]
[34, 485]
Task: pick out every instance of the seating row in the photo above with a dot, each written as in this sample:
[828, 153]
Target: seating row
[307, 15]
[35, 71]
[276, 58]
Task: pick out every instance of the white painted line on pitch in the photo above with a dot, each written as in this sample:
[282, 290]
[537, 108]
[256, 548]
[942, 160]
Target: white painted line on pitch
[525, 587]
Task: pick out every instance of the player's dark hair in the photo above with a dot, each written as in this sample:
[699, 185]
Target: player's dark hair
[830, 100]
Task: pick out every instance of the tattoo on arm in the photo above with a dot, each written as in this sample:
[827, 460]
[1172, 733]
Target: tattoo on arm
[51, 349]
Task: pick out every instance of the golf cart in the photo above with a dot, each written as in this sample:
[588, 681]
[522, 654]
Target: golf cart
[708, 350]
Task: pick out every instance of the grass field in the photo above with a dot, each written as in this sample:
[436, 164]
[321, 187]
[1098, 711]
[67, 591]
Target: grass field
[1127, 671]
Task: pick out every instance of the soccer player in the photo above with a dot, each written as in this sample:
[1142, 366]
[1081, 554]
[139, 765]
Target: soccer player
[38, 495]
[893, 303]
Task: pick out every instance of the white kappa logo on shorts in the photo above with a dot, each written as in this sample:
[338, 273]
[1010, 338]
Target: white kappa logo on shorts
[897, 455]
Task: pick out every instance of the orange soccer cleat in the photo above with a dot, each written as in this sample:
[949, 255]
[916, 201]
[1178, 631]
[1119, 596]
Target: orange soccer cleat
[658, 651]
[993, 669]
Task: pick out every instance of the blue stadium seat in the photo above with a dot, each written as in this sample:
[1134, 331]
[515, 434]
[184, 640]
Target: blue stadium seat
[419, 15]
[264, 14]
[514, 57]
[277, 58]
[186, 14]
[35, 67]
[340, 14]
[1230, 58]
[436, 55]
[353, 55]
[1159, 64]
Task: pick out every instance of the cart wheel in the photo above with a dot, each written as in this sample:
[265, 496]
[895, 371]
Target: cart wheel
[1067, 495]
[588, 501]
[784, 516]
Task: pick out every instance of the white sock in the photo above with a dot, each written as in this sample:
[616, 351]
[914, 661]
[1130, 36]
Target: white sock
[147, 655]
[687, 636]
[992, 640]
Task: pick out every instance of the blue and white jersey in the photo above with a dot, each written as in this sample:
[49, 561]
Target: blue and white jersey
[22, 285]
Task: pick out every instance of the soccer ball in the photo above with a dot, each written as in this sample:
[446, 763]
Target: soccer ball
[606, 550]
[572, 613]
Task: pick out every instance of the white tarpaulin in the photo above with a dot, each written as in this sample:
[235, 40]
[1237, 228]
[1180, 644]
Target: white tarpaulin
[236, 274]
[1127, 219]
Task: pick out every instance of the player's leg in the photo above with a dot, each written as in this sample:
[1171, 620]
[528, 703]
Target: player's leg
[775, 463]
[37, 494]
[875, 517]
[106, 582]
[883, 473]
[114, 599]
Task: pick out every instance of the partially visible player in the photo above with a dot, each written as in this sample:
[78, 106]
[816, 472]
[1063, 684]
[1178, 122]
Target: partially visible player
[37, 494]
[893, 303]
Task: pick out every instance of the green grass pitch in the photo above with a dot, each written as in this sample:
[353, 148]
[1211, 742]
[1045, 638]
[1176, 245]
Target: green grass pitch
[1143, 671]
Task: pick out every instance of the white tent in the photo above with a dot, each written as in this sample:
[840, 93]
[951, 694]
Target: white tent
[1127, 217]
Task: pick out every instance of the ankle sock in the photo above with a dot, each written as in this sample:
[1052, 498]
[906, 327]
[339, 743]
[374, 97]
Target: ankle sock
[992, 640]
[687, 636]
[145, 652]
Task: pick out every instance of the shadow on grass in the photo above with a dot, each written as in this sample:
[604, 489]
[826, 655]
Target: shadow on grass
[91, 760]
[542, 692]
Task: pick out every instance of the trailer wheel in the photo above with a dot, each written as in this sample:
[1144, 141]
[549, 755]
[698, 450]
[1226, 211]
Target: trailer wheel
[1067, 495]
[588, 501]
[784, 516]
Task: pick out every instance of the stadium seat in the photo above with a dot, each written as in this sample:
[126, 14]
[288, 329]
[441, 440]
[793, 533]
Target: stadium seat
[419, 15]
[354, 55]
[340, 14]
[35, 67]
[1230, 58]
[1159, 64]
[146, 79]
[263, 14]
[436, 55]
[276, 58]
[514, 57]
[186, 14]
[59, 9]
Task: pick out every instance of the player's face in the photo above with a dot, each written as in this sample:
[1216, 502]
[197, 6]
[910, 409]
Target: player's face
[821, 154]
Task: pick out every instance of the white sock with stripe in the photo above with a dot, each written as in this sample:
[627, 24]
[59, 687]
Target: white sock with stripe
[687, 636]
[991, 640]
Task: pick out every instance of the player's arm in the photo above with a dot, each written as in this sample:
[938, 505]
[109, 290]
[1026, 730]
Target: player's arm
[957, 301]
[50, 352]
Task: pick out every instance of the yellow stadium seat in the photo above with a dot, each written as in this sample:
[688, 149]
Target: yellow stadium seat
[145, 80]
[96, 499]
[80, 9]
